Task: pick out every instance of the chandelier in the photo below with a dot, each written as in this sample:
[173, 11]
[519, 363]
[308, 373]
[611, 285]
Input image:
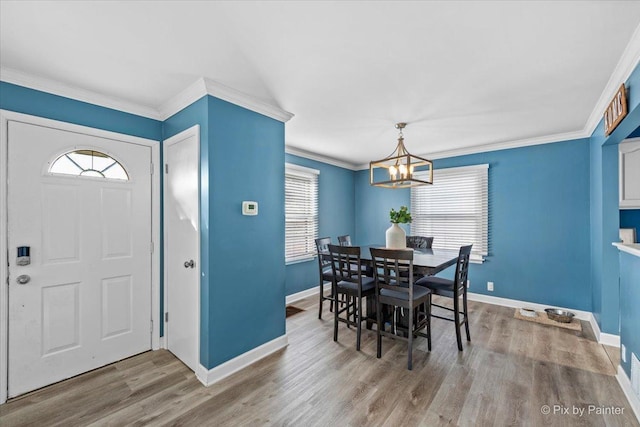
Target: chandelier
[400, 167]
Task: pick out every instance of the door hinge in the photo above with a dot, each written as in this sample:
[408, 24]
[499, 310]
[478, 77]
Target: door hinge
[152, 248]
[152, 326]
[166, 316]
[151, 168]
[166, 168]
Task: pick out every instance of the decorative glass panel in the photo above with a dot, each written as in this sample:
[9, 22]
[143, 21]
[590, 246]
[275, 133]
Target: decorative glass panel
[89, 163]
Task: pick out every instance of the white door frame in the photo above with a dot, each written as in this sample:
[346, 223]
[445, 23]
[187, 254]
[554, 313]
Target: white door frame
[192, 131]
[5, 117]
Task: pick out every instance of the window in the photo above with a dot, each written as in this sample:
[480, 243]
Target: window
[88, 163]
[455, 209]
[301, 212]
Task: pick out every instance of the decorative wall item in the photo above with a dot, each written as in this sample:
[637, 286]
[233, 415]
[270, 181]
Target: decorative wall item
[616, 110]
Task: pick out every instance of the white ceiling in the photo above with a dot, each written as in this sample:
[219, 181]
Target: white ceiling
[462, 74]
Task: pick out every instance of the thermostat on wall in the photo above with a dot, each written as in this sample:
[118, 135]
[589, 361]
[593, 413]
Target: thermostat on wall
[249, 208]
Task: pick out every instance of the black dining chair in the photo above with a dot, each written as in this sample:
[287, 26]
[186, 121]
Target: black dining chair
[325, 272]
[393, 272]
[344, 240]
[455, 289]
[419, 242]
[351, 283]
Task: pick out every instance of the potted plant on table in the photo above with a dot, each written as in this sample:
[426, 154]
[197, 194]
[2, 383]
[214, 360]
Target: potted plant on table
[395, 235]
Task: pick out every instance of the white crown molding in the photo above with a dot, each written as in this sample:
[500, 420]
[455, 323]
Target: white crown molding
[627, 63]
[204, 86]
[189, 95]
[320, 158]
[550, 139]
[20, 78]
[182, 100]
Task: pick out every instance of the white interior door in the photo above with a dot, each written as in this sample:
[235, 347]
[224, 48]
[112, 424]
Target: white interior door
[182, 245]
[88, 299]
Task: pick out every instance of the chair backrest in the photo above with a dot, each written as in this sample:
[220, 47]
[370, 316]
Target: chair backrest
[462, 268]
[322, 247]
[419, 242]
[393, 269]
[345, 263]
[344, 240]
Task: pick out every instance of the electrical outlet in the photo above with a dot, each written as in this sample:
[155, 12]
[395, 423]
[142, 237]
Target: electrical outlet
[623, 353]
[490, 286]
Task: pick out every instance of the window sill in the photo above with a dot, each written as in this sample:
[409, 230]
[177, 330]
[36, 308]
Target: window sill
[300, 260]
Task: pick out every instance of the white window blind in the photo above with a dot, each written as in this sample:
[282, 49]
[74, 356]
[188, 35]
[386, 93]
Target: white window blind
[455, 209]
[301, 212]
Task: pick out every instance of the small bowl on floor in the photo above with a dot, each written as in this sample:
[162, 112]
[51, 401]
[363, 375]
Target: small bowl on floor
[528, 312]
[562, 316]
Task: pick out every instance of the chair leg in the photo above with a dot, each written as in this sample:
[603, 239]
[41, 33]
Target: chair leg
[410, 339]
[456, 317]
[429, 323]
[321, 297]
[466, 315]
[379, 320]
[335, 322]
[358, 316]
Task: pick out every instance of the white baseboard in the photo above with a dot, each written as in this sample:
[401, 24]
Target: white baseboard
[625, 385]
[302, 295]
[213, 375]
[602, 338]
[609, 339]
[596, 328]
[506, 302]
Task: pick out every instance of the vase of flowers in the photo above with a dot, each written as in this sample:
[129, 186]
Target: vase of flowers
[395, 235]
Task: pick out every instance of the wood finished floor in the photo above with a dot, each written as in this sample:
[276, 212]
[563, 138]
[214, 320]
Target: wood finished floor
[504, 377]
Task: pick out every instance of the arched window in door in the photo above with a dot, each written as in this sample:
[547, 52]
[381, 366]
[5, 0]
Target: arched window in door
[89, 163]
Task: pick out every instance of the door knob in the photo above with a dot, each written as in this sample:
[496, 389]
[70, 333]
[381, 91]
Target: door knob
[189, 264]
[23, 279]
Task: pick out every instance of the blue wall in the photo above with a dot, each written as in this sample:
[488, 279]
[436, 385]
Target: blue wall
[538, 222]
[246, 301]
[336, 216]
[630, 218]
[242, 287]
[36, 103]
[629, 303]
[372, 208]
[605, 215]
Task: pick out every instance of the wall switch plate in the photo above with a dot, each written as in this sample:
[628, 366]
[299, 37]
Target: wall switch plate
[249, 208]
[468, 284]
[490, 286]
[623, 353]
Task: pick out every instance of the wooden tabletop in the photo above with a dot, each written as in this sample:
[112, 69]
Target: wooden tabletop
[425, 261]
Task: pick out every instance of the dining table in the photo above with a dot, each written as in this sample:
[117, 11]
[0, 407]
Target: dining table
[426, 262]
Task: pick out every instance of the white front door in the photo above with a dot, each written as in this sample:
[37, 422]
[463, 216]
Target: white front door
[182, 245]
[87, 301]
